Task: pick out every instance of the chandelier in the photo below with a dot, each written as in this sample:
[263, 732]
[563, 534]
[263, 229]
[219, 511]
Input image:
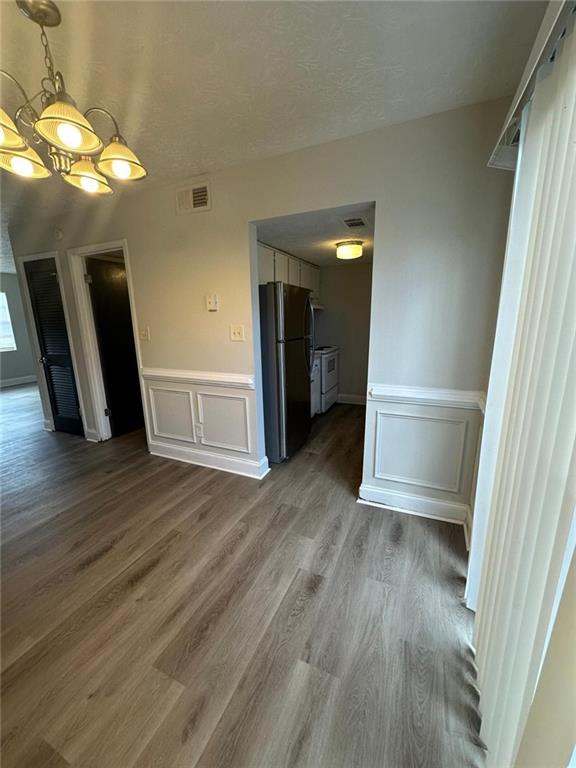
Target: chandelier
[74, 149]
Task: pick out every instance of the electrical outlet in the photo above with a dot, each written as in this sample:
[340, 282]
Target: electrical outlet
[199, 430]
[145, 333]
[237, 333]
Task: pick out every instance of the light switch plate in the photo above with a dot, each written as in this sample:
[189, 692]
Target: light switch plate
[212, 302]
[237, 333]
[145, 333]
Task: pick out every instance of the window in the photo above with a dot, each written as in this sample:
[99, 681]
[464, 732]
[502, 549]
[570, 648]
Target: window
[7, 340]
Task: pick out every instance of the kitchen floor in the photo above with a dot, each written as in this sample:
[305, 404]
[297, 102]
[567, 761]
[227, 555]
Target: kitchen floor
[162, 615]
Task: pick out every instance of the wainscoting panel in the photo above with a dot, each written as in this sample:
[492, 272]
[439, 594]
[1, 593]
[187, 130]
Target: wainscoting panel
[420, 450]
[203, 418]
[225, 420]
[172, 413]
[438, 467]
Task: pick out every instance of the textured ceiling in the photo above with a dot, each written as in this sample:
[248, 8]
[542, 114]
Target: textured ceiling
[197, 86]
[313, 236]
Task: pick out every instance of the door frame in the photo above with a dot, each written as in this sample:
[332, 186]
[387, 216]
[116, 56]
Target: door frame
[33, 334]
[87, 329]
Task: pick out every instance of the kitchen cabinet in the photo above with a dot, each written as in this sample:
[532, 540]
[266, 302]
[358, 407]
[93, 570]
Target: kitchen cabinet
[293, 270]
[310, 278]
[281, 267]
[315, 283]
[265, 265]
[305, 275]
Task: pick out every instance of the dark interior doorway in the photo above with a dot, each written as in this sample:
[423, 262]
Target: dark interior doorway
[113, 322]
[55, 355]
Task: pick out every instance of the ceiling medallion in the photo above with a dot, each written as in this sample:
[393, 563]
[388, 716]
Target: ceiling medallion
[74, 149]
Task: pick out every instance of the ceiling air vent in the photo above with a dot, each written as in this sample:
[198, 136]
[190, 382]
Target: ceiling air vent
[354, 223]
[193, 199]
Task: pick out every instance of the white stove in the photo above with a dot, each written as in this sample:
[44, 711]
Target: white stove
[325, 378]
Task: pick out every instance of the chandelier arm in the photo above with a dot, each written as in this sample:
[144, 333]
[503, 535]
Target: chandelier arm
[23, 117]
[17, 84]
[44, 89]
[33, 99]
[104, 112]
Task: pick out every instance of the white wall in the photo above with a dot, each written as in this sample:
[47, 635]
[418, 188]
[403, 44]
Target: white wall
[439, 235]
[345, 321]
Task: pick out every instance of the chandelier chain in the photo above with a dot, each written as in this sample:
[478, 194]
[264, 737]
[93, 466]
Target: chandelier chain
[48, 56]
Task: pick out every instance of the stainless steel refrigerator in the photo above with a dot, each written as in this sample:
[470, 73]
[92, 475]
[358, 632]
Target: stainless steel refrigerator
[286, 323]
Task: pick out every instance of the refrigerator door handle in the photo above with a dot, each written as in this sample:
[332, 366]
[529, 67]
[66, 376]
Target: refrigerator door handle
[312, 331]
[279, 300]
[282, 398]
[309, 349]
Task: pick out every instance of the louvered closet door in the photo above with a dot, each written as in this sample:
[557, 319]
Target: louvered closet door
[53, 340]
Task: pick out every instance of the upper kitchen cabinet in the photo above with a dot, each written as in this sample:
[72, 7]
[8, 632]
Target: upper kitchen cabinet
[310, 278]
[265, 265]
[293, 270]
[280, 267]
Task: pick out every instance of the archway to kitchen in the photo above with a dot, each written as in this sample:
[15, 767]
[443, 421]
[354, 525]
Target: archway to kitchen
[313, 326]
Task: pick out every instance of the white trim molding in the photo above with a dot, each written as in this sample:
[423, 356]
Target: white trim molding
[413, 504]
[15, 382]
[213, 378]
[449, 398]
[88, 339]
[236, 465]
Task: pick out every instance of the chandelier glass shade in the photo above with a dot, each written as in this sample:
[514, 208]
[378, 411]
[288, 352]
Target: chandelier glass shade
[9, 136]
[58, 129]
[83, 175]
[61, 125]
[24, 162]
[117, 161]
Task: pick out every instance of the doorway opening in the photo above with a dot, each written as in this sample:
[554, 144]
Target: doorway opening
[100, 282]
[51, 343]
[20, 407]
[314, 311]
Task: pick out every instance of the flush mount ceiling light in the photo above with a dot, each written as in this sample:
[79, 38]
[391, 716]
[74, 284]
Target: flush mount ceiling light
[66, 135]
[350, 249]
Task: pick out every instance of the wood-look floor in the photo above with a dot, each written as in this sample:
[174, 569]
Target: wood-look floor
[161, 615]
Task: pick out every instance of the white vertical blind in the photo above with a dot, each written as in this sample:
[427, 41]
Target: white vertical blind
[534, 489]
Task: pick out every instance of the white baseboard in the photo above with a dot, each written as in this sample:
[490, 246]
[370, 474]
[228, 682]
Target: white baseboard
[17, 381]
[352, 399]
[238, 466]
[412, 504]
